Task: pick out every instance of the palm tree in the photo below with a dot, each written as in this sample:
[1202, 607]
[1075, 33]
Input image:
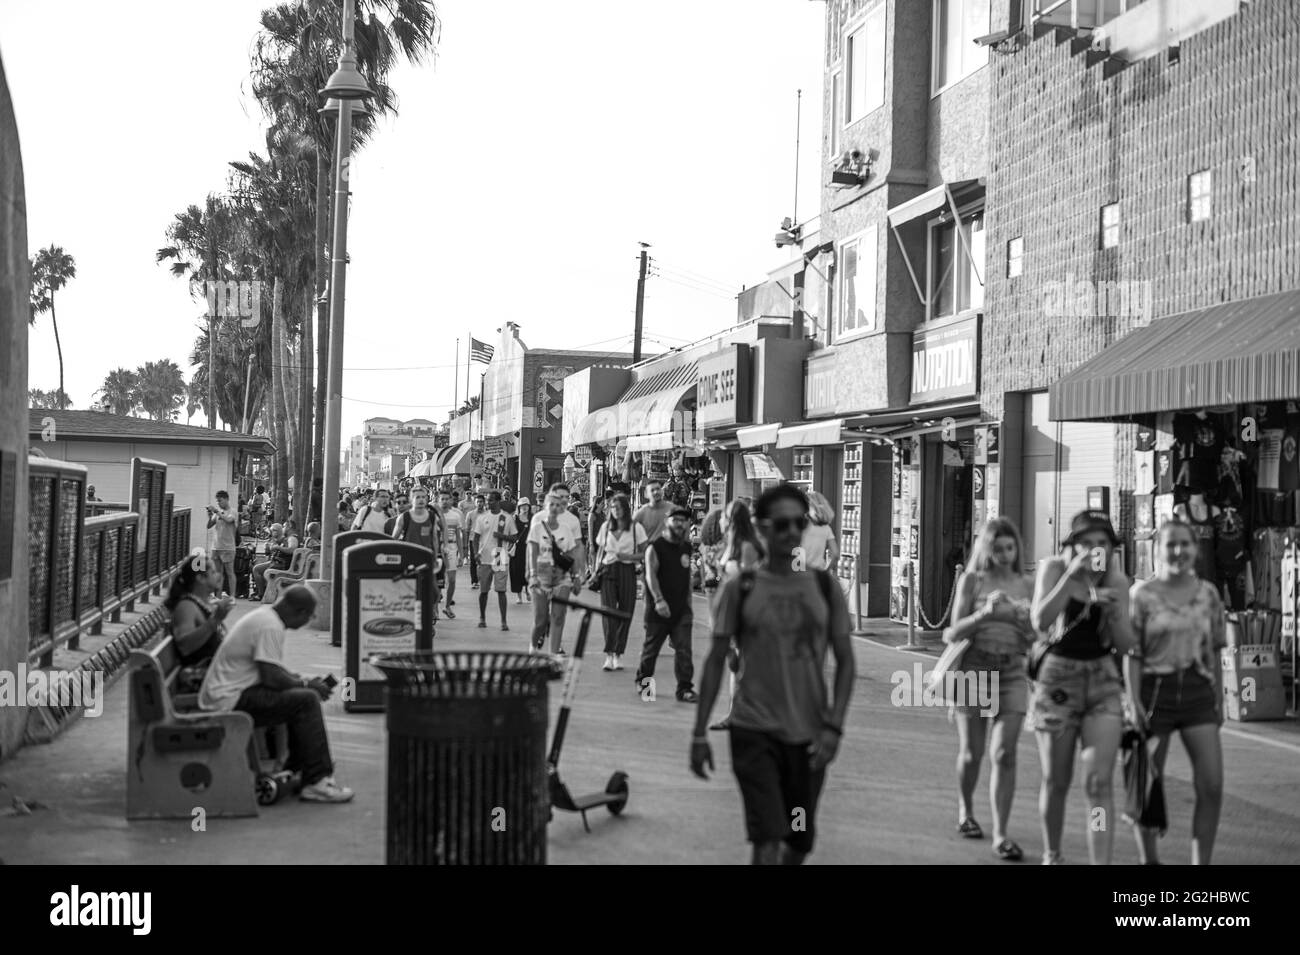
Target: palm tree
[203, 243]
[51, 269]
[161, 389]
[119, 390]
[56, 400]
[294, 56]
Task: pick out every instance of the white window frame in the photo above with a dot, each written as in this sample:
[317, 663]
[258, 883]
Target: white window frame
[837, 114]
[1105, 228]
[959, 258]
[1200, 192]
[870, 236]
[1015, 257]
[974, 57]
[865, 26]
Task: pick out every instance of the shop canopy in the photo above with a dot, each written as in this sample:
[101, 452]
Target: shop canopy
[453, 459]
[809, 435]
[1234, 353]
[651, 415]
[758, 435]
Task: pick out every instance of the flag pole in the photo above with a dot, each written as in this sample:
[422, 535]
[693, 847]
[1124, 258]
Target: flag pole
[469, 350]
[455, 389]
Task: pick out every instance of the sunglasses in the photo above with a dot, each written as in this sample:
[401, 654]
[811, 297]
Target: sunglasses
[783, 524]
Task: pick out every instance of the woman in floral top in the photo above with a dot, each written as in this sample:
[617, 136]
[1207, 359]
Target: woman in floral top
[1179, 622]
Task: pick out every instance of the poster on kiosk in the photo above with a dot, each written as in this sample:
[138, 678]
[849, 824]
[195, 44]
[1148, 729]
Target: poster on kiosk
[386, 609]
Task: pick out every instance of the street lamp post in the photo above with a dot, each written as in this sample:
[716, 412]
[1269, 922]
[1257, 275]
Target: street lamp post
[345, 85]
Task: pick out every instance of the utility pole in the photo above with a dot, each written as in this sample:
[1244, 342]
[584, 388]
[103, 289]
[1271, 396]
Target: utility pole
[640, 304]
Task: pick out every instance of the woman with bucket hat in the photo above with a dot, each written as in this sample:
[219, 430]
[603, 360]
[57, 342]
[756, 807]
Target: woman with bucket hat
[1081, 601]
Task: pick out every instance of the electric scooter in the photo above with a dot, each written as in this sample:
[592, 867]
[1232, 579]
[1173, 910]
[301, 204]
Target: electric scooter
[615, 796]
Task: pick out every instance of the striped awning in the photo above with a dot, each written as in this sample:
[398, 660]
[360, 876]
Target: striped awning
[453, 459]
[1235, 353]
[654, 409]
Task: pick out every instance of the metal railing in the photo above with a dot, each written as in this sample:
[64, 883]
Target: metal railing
[85, 570]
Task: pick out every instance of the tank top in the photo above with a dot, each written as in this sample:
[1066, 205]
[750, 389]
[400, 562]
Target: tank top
[673, 576]
[1082, 639]
[999, 636]
[413, 532]
[209, 647]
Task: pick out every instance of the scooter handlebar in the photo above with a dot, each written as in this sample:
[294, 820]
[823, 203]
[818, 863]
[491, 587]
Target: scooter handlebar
[593, 608]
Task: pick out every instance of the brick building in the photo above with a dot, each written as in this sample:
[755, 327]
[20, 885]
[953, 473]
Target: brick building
[893, 291]
[1144, 222]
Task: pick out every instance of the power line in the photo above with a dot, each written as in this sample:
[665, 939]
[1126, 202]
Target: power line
[691, 278]
[696, 288]
[697, 275]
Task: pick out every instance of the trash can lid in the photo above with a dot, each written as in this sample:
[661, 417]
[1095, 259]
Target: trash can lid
[472, 673]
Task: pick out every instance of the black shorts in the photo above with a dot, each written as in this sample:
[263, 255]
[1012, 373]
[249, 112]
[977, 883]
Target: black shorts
[778, 787]
[1180, 699]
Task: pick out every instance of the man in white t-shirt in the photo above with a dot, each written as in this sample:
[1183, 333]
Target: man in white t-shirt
[492, 538]
[453, 522]
[248, 674]
[375, 515]
[569, 521]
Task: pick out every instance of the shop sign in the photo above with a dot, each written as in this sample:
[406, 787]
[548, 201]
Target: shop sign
[760, 467]
[819, 397]
[717, 494]
[723, 393]
[945, 361]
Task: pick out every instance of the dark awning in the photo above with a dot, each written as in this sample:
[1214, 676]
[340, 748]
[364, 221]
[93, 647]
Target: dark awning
[1235, 353]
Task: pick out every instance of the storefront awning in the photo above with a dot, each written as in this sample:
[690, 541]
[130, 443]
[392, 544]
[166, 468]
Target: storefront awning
[808, 435]
[758, 435]
[447, 460]
[1235, 353]
[927, 202]
[650, 407]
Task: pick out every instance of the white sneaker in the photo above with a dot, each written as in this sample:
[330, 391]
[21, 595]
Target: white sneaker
[618, 661]
[609, 662]
[326, 790]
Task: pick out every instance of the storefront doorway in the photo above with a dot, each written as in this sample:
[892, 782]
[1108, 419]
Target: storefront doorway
[946, 508]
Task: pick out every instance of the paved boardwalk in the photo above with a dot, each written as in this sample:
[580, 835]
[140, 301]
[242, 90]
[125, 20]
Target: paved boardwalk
[889, 797]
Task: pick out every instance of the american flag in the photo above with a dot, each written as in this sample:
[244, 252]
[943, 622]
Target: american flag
[479, 351]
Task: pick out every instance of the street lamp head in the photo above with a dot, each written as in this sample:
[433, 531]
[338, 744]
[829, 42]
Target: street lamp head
[331, 108]
[346, 81]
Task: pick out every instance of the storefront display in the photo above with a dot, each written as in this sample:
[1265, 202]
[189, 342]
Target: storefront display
[850, 514]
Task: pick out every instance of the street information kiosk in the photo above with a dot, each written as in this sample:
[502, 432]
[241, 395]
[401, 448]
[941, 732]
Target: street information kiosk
[386, 609]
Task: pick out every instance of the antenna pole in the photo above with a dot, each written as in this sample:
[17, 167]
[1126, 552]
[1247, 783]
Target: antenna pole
[798, 115]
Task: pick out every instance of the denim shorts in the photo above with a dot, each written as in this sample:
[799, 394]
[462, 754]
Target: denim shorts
[1013, 680]
[1069, 690]
[1177, 700]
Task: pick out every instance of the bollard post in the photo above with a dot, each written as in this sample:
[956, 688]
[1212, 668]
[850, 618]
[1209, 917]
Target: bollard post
[911, 610]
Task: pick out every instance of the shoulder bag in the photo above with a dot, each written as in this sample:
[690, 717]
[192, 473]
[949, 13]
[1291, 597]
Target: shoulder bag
[558, 557]
[597, 581]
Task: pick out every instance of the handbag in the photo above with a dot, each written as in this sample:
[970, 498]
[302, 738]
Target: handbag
[597, 581]
[558, 557]
[1144, 790]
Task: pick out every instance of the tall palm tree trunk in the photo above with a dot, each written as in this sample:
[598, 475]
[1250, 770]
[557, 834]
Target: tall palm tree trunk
[276, 410]
[54, 319]
[305, 403]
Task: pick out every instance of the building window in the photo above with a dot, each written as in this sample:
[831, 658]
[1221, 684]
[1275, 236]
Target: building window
[1198, 195]
[865, 56]
[837, 114]
[857, 285]
[1110, 226]
[1015, 256]
[955, 53]
[956, 277]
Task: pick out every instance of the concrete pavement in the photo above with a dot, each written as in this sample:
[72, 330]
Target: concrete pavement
[889, 797]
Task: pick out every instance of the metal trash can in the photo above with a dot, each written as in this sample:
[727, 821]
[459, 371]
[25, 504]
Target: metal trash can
[467, 757]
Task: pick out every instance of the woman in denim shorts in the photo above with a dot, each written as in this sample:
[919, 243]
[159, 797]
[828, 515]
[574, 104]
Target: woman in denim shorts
[1180, 627]
[992, 611]
[1081, 599]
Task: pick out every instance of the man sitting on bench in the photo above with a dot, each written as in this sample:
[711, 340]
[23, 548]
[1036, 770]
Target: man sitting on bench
[248, 674]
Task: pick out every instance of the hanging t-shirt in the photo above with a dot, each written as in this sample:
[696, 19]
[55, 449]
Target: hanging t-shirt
[1201, 521]
[1288, 473]
[1200, 443]
[1230, 542]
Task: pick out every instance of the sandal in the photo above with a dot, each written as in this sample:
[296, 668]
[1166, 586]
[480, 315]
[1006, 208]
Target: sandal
[1008, 851]
[970, 829]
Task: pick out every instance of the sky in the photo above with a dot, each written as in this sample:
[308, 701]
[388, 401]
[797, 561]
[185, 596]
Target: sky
[528, 159]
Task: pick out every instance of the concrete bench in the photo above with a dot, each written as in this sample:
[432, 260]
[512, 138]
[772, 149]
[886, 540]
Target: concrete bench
[180, 758]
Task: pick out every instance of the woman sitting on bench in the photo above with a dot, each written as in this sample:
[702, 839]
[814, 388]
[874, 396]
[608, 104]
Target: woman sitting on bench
[197, 623]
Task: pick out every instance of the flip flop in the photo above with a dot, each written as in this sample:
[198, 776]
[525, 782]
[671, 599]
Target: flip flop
[1008, 851]
[970, 829]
